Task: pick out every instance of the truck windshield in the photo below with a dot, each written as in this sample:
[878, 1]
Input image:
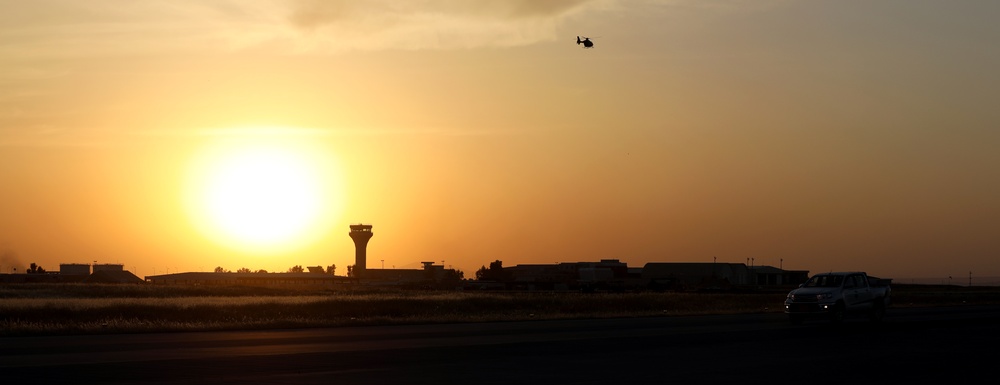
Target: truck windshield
[825, 281]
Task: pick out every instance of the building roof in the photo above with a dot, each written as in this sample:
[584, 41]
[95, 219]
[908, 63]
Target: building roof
[106, 276]
[692, 269]
[209, 276]
[401, 275]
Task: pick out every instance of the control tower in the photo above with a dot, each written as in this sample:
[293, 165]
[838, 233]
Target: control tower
[360, 234]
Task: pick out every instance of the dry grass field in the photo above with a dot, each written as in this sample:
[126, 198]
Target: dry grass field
[47, 309]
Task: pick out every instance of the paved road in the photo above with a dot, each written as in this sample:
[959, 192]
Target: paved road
[925, 345]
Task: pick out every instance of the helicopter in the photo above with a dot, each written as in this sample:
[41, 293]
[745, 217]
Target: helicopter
[586, 42]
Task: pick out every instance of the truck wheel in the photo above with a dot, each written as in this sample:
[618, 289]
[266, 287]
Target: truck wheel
[877, 312]
[837, 314]
[795, 319]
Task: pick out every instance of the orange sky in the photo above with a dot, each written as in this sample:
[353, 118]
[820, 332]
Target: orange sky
[835, 135]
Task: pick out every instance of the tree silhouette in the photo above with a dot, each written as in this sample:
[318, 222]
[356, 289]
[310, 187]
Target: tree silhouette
[451, 278]
[261, 271]
[331, 269]
[35, 269]
[219, 269]
[296, 269]
[493, 273]
[243, 270]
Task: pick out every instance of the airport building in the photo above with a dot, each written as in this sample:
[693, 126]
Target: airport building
[284, 280]
[77, 273]
[604, 275]
[74, 269]
[611, 274]
[429, 275]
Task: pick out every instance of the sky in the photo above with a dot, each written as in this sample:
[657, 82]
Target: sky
[179, 135]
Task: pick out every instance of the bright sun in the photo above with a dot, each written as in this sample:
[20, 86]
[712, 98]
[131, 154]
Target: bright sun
[263, 198]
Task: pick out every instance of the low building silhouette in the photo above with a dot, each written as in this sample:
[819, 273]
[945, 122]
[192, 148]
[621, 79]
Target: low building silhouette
[109, 267]
[612, 274]
[606, 274]
[716, 276]
[284, 280]
[112, 276]
[74, 269]
[773, 276]
[77, 273]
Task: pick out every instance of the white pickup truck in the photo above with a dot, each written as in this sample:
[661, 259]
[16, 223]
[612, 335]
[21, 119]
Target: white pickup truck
[833, 295]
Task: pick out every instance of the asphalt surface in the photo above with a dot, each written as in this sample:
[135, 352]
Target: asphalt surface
[918, 345]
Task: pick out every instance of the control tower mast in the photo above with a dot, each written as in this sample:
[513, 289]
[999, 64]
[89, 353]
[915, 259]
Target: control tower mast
[360, 234]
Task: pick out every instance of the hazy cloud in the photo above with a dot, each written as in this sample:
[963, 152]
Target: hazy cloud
[307, 132]
[9, 260]
[316, 13]
[60, 28]
[430, 24]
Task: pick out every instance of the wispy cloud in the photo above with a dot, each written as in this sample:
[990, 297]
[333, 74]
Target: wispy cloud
[307, 132]
[101, 27]
[66, 28]
[430, 24]
[317, 13]
[46, 136]
[46, 140]
[62, 28]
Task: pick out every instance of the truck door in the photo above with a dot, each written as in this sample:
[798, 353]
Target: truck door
[857, 293]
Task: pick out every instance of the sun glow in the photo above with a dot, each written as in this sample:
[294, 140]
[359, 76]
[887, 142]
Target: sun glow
[264, 197]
